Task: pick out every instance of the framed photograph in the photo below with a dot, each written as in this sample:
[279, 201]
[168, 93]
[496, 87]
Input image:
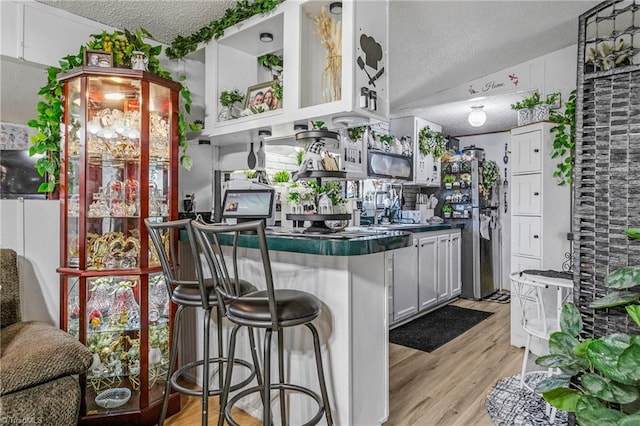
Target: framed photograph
[556, 102]
[261, 98]
[98, 58]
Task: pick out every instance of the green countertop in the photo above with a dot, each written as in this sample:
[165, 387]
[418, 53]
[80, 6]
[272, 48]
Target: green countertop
[350, 242]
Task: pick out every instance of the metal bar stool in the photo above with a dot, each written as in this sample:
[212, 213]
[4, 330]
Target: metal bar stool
[194, 294]
[270, 309]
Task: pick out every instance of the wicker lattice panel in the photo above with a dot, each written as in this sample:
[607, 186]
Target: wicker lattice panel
[607, 170]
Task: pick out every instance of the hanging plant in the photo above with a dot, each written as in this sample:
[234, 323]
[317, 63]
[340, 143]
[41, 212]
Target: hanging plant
[564, 143]
[431, 142]
[490, 174]
[46, 140]
[182, 46]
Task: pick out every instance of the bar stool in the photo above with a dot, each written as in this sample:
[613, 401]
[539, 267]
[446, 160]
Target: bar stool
[535, 321]
[270, 309]
[194, 294]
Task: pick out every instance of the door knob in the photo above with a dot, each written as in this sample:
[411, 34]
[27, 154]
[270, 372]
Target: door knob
[536, 193]
[535, 236]
[536, 150]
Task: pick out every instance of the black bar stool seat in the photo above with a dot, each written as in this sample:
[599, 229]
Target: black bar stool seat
[272, 310]
[200, 293]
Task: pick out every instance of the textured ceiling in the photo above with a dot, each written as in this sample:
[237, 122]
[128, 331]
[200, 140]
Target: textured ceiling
[165, 19]
[433, 45]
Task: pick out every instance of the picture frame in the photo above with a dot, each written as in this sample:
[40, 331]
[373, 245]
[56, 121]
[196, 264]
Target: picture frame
[557, 103]
[98, 58]
[254, 100]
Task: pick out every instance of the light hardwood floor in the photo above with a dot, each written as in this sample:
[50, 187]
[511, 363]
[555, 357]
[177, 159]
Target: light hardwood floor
[445, 387]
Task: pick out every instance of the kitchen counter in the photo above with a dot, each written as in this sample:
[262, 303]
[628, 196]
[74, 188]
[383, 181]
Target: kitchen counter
[349, 272]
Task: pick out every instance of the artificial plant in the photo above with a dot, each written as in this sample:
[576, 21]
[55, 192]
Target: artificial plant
[600, 380]
[244, 9]
[564, 142]
[46, 140]
[431, 142]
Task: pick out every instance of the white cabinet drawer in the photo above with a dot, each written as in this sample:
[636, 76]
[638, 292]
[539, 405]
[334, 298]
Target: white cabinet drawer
[526, 152]
[526, 236]
[519, 263]
[526, 194]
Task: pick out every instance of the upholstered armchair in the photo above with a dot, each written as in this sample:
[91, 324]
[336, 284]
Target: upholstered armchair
[39, 363]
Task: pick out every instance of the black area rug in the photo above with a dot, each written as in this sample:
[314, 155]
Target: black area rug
[509, 405]
[436, 328]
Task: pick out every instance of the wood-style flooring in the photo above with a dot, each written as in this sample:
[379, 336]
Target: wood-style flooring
[446, 387]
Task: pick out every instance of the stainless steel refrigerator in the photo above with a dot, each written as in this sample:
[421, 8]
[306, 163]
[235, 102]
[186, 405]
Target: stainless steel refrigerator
[468, 204]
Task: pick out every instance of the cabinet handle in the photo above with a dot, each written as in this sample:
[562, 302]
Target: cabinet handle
[536, 193]
[536, 150]
[535, 236]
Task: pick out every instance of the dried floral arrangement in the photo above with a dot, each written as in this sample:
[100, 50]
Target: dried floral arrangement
[330, 33]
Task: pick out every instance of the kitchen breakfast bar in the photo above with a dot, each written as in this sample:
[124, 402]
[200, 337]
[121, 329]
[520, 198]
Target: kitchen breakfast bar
[348, 272]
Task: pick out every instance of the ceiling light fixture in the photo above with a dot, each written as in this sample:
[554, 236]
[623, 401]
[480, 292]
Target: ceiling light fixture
[477, 117]
[336, 8]
[266, 37]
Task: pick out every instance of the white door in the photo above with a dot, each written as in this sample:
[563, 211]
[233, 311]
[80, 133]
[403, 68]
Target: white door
[526, 194]
[444, 283]
[526, 236]
[526, 152]
[427, 272]
[455, 264]
[405, 282]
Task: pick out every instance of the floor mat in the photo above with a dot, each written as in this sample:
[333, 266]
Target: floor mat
[436, 328]
[499, 297]
[509, 405]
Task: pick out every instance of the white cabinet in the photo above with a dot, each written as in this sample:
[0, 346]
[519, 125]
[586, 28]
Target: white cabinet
[426, 169]
[540, 210]
[405, 284]
[455, 254]
[425, 274]
[232, 64]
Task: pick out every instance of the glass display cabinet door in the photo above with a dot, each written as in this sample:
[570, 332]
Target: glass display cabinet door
[119, 165]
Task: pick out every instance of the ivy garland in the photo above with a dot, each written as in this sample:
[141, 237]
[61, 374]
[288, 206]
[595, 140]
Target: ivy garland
[431, 142]
[46, 141]
[182, 46]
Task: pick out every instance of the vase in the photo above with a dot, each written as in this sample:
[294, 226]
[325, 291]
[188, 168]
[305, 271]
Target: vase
[525, 116]
[332, 79]
[541, 113]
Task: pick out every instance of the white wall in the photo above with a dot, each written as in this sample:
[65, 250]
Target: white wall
[494, 147]
[32, 229]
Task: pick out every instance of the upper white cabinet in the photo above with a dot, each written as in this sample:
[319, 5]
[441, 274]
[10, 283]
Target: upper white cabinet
[426, 169]
[232, 63]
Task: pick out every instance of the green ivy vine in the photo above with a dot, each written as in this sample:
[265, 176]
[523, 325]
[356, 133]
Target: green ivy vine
[182, 46]
[46, 140]
[564, 142]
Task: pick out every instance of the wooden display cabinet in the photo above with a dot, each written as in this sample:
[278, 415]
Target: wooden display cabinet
[119, 157]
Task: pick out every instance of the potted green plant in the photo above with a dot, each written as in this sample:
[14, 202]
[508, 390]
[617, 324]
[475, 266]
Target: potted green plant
[231, 101]
[282, 176]
[448, 181]
[447, 210]
[600, 380]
